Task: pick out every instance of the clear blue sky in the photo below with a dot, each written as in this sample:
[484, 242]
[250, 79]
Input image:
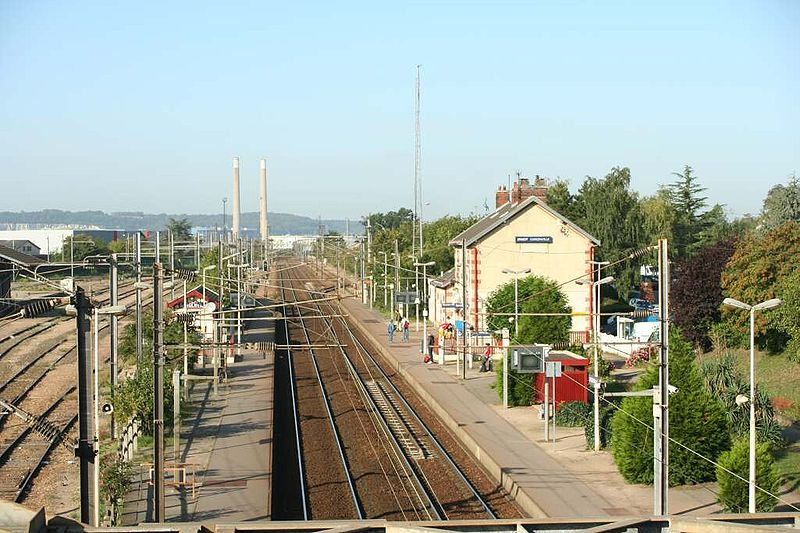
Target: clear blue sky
[141, 105]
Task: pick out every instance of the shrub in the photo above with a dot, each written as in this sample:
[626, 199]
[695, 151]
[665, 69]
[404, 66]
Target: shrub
[725, 382]
[606, 417]
[724, 334]
[573, 414]
[116, 481]
[733, 491]
[604, 367]
[640, 356]
[520, 386]
[697, 421]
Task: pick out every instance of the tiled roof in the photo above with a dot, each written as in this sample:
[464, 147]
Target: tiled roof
[9, 254]
[504, 215]
[445, 280]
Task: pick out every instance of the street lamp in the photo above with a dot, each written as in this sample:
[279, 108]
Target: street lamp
[425, 308]
[385, 265]
[768, 304]
[596, 334]
[516, 274]
[224, 222]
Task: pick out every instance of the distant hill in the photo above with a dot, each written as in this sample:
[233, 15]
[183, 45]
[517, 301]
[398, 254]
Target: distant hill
[280, 223]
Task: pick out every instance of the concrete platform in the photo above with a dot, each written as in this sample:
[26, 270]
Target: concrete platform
[547, 480]
[226, 441]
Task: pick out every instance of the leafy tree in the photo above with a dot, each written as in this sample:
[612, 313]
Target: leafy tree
[697, 421]
[761, 261]
[659, 216]
[81, 247]
[782, 204]
[536, 295]
[786, 318]
[436, 239]
[559, 198]
[684, 195]
[390, 220]
[181, 229]
[733, 491]
[610, 211]
[696, 293]
[134, 397]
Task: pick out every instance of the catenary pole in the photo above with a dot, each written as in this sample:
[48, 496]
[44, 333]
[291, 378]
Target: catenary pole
[114, 334]
[138, 267]
[464, 308]
[158, 394]
[85, 449]
[661, 399]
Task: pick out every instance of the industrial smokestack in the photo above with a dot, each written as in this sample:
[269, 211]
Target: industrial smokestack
[263, 200]
[236, 210]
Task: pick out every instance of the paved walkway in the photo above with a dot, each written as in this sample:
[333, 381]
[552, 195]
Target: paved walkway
[556, 480]
[227, 441]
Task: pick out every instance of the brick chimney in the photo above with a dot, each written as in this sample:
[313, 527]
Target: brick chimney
[501, 197]
[522, 189]
[540, 188]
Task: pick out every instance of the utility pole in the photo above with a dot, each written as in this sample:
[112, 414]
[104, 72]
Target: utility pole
[85, 449]
[172, 263]
[176, 420]
[396, 273]
[464, 308]
[158, 394]
[114, 297]
[363, 280]
[661, 394]
[185, 346]
[95, 418]
[218, 350]
[138, 267]
[417, 169]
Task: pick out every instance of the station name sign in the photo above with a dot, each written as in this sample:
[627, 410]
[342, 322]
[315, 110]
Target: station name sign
[533, 239]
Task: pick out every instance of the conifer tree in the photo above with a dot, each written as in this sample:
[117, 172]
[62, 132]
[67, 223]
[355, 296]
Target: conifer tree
[697, 422]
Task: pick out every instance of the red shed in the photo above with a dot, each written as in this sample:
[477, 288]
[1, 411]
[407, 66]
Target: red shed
[573, 384]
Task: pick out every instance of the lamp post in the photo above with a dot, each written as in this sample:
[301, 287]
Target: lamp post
[595, 286]
[516, 274]
[224, 222]
[425, 308]
[385, 264]
[768, 304]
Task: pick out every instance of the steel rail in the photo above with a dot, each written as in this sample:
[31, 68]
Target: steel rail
[326, 401]
[429, 433]
[296, 413]
[424, 426]
[419, 486]
[9, 449]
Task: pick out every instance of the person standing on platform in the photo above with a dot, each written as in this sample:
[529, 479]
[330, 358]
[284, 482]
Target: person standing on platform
[404, 324]
[390, 330]
[486, 364]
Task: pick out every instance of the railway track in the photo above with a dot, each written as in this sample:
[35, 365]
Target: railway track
[24, 454]
[397, 468]
[38, 360]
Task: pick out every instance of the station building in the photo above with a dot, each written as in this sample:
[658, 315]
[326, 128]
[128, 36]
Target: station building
[522, 232]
